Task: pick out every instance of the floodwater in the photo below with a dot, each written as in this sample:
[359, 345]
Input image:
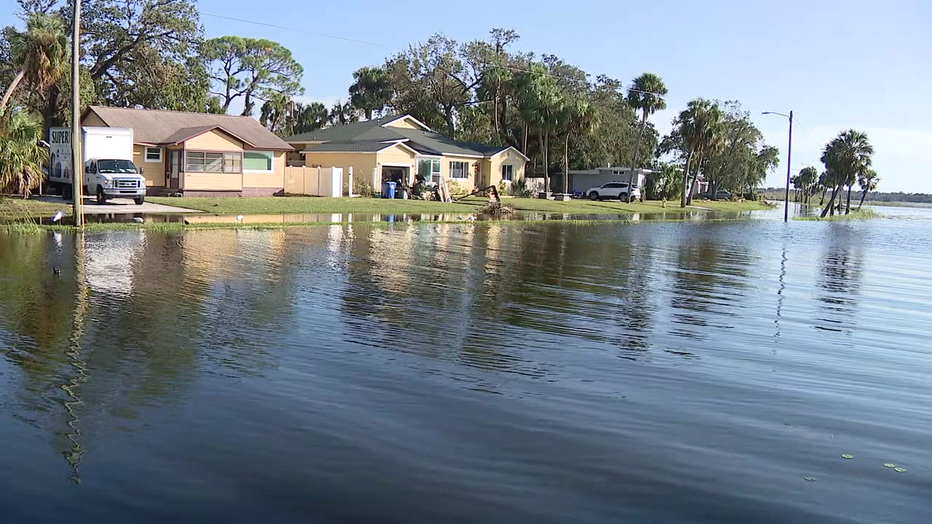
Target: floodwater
[541, 372]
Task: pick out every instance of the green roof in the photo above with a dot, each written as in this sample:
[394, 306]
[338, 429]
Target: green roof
[371, 132]
[360, 146]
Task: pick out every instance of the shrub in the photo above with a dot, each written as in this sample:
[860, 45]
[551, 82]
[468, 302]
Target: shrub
[519, 188]
[456, 190]
[362, 187]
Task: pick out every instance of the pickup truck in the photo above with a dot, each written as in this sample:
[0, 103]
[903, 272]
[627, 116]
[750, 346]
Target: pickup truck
[114, 178]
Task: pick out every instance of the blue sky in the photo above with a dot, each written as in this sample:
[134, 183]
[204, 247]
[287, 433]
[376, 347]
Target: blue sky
[838, 65]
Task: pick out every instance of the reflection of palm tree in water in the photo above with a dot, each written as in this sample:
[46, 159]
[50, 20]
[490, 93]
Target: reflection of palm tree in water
[72, 387]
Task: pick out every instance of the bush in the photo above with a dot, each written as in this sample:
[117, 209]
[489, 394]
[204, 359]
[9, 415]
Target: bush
[362, 187]
[456, 190]
[519, 188]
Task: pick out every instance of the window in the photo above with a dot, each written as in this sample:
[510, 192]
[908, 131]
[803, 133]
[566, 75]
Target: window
[508, 172]
[429, 169]
[459, 170]
[257, 160]
[153, 154]
[204, 162]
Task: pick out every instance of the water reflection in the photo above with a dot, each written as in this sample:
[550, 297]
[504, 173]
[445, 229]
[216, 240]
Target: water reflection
[239, 372]
[840, 279]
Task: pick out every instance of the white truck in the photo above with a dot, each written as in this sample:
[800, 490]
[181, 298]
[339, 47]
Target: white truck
[109, 171]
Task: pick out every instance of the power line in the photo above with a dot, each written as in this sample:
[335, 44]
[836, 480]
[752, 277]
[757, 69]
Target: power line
[814, 140]
[374, 44]
[323, 35]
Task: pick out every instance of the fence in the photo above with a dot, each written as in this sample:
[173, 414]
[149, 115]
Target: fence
[314, 181]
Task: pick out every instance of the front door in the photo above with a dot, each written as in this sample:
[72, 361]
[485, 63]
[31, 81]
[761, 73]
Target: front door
[174, 169]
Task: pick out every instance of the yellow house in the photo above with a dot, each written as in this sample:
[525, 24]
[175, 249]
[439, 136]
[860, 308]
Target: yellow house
[401, 147]
[200, 154]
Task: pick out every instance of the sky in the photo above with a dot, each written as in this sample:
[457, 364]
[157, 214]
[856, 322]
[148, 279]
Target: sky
[837, 65]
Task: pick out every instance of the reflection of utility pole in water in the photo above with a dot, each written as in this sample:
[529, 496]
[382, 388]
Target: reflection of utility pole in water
[72, 387]
[776, 321]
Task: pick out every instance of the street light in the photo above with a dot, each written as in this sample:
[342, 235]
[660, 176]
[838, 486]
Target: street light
[789, 157]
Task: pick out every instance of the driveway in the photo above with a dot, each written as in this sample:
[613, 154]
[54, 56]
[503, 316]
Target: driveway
[120, 206]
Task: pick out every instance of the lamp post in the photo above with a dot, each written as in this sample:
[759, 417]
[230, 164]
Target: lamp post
[789, 157]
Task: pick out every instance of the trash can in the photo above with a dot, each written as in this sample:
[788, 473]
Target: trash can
[388, 189]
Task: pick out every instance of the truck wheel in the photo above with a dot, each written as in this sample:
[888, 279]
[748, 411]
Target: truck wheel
[593, 196]
[140, 200]
[101, 198]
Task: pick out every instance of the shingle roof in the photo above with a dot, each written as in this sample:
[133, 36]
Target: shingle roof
[427, 142]
[357, 146]
[165, 127]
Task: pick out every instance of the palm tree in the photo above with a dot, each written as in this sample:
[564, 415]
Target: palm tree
[807, 179]
[307, 117]
[824, 180]
[371, 91]
[645, 95]
[846, 156]
[542, 109]
[699, 131]
[868, 181]
[578, 120]
[342, 114]
[40, 54]
[20, 153]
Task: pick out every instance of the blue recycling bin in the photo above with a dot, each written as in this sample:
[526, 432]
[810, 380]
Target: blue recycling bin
[388, 189]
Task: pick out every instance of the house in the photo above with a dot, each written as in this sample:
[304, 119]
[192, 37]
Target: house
[583, 179]
[200, 154]
[400, 147]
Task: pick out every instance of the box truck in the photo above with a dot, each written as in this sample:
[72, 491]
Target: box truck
[109, 171]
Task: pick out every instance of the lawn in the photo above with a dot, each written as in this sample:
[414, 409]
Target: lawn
[12, 208]
[288, 205]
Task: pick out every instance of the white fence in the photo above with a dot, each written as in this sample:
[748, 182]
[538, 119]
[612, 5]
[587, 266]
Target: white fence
[314, 181]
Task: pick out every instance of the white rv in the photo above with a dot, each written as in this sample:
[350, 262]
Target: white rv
[109, 171]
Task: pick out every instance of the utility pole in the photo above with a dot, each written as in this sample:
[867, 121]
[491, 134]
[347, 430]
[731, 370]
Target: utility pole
[76, 156]
[789, 162]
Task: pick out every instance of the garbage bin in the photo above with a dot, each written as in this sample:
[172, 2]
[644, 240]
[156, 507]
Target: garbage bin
[388, 189]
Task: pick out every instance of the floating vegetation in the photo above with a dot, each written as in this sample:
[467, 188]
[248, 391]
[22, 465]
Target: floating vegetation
[900, 469]
[809, 479]
[889, 465]
[847, 456]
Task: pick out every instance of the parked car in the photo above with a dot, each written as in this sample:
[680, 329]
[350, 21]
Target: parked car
[721, 194]
[617, 190]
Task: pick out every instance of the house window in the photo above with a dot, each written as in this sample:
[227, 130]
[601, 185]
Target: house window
[153, 154]
[257, 161]
[508, 172]
[429, 169]
[204, 162]
[459, 170]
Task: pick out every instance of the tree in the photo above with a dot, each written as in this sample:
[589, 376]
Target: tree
[845, 157]
[495, 66]
[371, 90]
[807, 179]
[645, 95]
[729, 165]
[342, 114]
[254, 69]
[577, 120]
[130, 45]
[542, 108]
[40, 54]
[868, 181]
[695, 130]
[663, 184]
[20, 153]
[429, 82]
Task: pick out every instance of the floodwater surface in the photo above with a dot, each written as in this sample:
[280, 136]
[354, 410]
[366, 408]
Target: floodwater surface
[538, 372]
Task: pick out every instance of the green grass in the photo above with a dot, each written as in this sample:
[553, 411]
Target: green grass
[864, 214]
[291, 205]
[12, 207]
